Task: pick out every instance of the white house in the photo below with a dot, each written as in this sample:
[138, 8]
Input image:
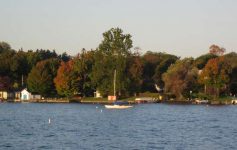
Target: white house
[25, 95]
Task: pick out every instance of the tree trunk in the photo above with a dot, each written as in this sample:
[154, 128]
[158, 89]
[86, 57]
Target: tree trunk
[217, 92]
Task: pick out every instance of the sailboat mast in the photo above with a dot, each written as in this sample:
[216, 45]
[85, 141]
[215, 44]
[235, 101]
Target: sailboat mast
[115, 82]
[22, 80]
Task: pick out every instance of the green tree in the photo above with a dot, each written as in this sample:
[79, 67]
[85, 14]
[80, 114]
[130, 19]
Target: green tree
[19, 67]
[232, 60]
[181, 78]
[40, 79]
[83, 66]
[162, 67]
[6, 56]
[112, 55]
[134, 72]
[64, 57]
[4, 47]
[155, 64]
[35, 56]
[5, 83]
[202, 60]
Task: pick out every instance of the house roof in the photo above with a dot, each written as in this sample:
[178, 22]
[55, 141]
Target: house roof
[25, 89]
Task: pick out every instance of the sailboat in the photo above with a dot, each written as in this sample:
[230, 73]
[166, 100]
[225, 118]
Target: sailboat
[117, 104]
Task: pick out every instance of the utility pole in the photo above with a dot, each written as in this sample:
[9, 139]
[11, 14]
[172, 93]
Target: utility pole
[205, 86]
[115, 83]
[22, 80]
[190, 95]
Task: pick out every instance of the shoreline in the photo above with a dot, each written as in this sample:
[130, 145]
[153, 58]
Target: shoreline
[81, 101]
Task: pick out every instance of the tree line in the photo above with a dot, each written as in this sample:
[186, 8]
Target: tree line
[52, 75]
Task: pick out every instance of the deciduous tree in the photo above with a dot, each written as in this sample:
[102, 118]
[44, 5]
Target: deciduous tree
[67, 81]
[202, 60]
[134, 72]
[5, 83]
[83, 66]
[216, 50]
[216, 74]
[112, 55]
[155, 64]
[181, 78]
[40, 79]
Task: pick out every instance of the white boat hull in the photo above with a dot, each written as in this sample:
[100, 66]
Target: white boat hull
[117, 106]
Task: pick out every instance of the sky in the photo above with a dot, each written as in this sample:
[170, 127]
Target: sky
[181, 27]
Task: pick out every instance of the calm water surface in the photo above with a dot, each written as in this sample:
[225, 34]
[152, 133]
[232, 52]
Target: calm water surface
[150, 126]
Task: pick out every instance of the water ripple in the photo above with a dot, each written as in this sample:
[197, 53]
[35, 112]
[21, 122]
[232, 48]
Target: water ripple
[151, 126]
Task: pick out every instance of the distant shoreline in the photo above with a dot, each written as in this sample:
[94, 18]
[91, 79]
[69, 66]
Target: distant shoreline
[99, 101]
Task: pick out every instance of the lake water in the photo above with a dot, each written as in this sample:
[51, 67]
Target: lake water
[149, 126]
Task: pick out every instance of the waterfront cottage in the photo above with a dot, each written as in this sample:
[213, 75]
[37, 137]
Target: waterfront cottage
[25, 95]
[3, 94]
[6, 95]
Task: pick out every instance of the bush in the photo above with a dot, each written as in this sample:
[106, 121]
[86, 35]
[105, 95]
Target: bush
[204, 96]
[149, 94]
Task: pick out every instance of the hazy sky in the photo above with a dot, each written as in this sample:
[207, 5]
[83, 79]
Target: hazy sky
[180, 27]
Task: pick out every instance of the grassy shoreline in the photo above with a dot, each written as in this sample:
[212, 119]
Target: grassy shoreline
[131, 100]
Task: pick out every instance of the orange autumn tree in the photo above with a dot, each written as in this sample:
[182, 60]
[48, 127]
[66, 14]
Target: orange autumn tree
[215, 74]
[67, 80]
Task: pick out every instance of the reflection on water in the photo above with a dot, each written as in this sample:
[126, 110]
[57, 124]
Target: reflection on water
[149, 126]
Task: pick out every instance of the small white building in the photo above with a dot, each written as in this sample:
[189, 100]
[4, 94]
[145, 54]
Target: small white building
[25, 95]
[97, 94]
